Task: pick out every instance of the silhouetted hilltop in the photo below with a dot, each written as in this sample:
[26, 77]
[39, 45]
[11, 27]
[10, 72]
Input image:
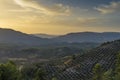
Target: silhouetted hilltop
[16, 37]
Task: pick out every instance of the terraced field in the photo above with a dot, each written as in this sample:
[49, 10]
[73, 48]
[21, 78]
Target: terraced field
[81, 67]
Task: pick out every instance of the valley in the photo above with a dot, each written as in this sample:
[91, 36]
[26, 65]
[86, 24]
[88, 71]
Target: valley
[60, 60]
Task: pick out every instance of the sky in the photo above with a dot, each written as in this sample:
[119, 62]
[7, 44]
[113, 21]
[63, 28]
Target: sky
[60, 16]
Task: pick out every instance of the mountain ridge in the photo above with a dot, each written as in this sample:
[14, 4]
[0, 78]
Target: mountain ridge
[88, 37]
[17, 37]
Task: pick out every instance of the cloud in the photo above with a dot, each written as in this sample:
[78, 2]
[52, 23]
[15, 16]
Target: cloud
[49, 9]
[111, 8]
[87, 20]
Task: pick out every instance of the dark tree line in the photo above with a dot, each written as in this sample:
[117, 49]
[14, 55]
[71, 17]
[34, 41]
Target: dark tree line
[10, 71]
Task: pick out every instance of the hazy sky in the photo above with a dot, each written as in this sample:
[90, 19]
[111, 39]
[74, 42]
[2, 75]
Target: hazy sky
[60, 16]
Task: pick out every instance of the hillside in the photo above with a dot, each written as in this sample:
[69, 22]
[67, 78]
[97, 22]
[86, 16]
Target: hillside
[10, 36]
[88, 37]
[32, 54]
[80, 67]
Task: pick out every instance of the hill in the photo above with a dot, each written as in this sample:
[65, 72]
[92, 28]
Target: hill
[32, 54]
[88, 37]
[10, 36]
[80, 67]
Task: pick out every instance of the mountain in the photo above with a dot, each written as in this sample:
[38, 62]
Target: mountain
[80, 67]
[88, 37]
[45, 35]
[15, 37]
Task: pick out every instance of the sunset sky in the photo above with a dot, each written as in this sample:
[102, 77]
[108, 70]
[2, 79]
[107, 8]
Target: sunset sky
[60, 16]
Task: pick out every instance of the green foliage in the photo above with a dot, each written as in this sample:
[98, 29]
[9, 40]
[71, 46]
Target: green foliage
[54, 78]
[27, 72]
[73, 57]
[98, 72]
[9, 71]
[39, 75]
[32, 72]
[118, 63]
[107, 75]
[117, 70]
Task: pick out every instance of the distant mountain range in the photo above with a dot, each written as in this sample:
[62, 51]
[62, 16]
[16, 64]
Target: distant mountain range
[88, 37]
[15, 37]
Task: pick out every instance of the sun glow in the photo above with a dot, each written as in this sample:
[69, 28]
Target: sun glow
[43, 16]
